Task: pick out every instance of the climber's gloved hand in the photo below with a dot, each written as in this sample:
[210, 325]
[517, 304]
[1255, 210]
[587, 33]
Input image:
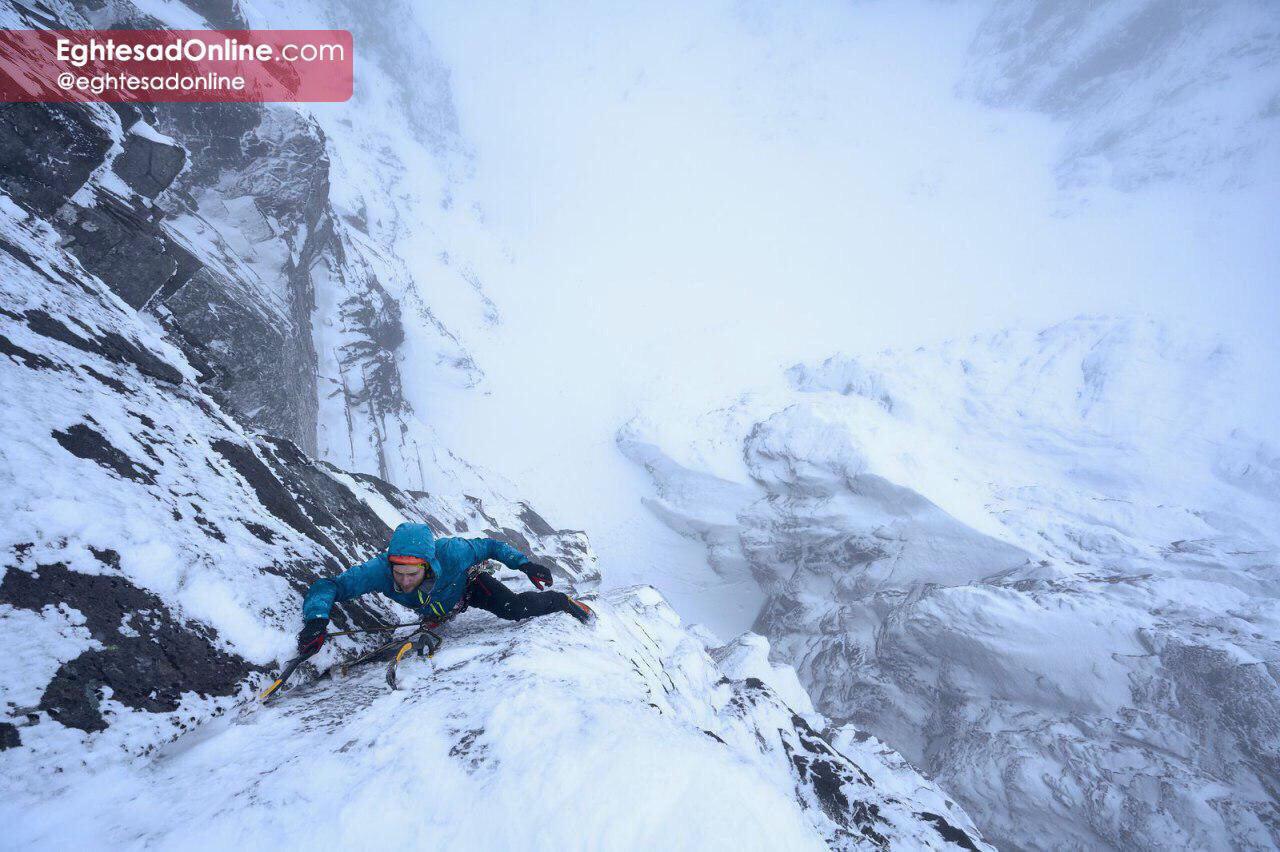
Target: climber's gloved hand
[312, 635]
[539, 575]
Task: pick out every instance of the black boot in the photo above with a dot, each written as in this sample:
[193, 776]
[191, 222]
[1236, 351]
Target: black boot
[579, 610]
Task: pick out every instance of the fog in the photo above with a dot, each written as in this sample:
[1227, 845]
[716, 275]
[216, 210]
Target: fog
[693, 195]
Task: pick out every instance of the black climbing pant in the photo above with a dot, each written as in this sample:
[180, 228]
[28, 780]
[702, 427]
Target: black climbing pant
[488, 593]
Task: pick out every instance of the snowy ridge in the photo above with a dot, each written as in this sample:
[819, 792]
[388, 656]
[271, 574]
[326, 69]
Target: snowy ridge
[1041, 565]
[622, 736]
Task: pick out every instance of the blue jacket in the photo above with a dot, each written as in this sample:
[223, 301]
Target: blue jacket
[450, 559]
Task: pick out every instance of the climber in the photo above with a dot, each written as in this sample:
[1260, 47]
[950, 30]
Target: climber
[436, 579]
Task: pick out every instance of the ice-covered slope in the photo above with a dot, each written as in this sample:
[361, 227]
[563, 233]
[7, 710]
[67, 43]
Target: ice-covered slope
[541, 735]
[1041, 565]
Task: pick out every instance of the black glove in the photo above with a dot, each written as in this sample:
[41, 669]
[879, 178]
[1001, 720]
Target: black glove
[312, 635]
[539, 575]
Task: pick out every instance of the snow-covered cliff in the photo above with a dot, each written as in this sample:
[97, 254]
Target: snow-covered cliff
[154, 547]
[180, 285]
[155, 551]
[311, 254]
[1041, 565]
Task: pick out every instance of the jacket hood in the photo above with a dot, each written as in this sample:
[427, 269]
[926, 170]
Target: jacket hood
[413, 540]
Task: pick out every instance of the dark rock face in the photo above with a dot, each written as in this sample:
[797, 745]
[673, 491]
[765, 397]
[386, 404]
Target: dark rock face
[48, 151]
[149, 658]
[148, 166]
[213, 134]
[30, 360]
[123, 246]
[346, 520]
[949, 832]
[534, 521]
[110, 345]
[255, 332]
[263, 374]
[271, 493]
[85, 442]
[268, 171]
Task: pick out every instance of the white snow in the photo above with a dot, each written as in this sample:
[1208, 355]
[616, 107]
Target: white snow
[36, 644]
[146, 131]
[390, 515]
[541, 734]
[748, 656]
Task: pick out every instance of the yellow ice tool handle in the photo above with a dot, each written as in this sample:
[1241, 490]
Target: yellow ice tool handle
[404, 649]
[284, 675]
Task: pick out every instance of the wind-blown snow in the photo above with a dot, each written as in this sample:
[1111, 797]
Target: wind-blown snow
[1150, 91]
